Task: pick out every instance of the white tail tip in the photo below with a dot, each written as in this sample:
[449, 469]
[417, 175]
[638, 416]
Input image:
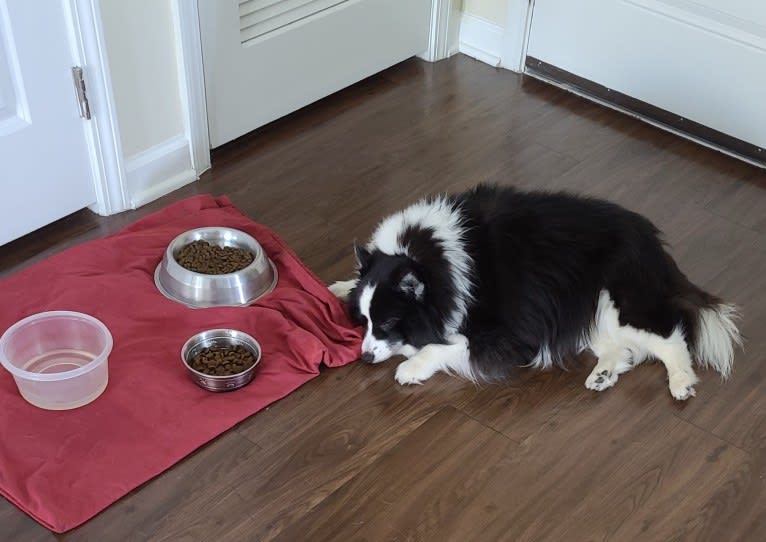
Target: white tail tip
[717, 337]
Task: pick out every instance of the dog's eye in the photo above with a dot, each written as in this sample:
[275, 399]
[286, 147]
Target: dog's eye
[389, 324]
[358, 317]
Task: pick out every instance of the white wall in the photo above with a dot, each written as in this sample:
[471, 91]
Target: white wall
[493, 11]
[141, 47]
[143, 52]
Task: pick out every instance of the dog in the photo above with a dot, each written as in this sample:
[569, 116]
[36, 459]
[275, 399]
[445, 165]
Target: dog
[481, 283]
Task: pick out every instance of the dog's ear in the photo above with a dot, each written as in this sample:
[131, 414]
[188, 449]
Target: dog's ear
[411, 286]
[362, 256]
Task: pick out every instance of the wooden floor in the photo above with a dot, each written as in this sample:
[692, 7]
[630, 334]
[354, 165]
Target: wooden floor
[353, 456]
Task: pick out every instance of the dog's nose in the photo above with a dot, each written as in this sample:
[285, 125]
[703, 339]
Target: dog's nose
[368, 357]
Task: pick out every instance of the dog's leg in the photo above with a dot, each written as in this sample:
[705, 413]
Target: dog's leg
[342, 288]
[674, 354]
[611, 343]
[681, 377]
[611, 363]
[432, 358]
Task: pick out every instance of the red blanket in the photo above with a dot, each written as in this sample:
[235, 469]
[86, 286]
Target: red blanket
[63, 467]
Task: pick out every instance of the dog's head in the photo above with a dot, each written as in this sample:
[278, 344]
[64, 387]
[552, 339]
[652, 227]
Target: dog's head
[391, 301]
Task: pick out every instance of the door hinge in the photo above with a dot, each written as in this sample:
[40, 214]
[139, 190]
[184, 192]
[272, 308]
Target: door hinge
[82, 96]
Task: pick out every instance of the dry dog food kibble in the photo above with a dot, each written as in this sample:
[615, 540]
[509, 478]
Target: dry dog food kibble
[202, 257]
[223, 360]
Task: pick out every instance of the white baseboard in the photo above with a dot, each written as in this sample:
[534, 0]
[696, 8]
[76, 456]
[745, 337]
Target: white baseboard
[481, 39]
[159, 170]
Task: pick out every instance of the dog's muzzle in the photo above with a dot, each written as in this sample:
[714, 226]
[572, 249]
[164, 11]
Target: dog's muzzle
[368, 357]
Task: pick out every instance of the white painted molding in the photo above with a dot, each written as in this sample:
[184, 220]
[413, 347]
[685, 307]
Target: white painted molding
[516, 36]
[192, 81]
[481, 39]
[443, 36]
[749, 32]
[159, 170]
[102, 131]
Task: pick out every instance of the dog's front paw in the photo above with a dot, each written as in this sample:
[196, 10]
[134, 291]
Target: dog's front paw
[413, 371]
[601, 379]
[682, 386]
[342, 288]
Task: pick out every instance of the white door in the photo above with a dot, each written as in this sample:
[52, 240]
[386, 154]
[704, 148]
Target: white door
[704, 60]
[45, 172]
[266, 58]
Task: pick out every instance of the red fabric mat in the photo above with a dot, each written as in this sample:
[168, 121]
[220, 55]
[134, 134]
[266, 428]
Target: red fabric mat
[63, 467]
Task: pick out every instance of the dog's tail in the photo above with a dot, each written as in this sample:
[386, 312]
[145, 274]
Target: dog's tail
[711, 329]
[717, 336]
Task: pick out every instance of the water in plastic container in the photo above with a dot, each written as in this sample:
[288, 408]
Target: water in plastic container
[58, 359]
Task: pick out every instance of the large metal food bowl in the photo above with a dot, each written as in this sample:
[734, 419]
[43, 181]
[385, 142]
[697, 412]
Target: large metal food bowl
[220, 337]
[229, 290]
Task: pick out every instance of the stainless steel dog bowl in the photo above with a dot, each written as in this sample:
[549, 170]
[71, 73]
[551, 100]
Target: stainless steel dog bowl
[200, 290]
[220, 337]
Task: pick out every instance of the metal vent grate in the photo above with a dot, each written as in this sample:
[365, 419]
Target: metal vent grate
[259, 17]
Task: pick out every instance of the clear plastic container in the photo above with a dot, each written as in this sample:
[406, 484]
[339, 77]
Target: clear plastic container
[58, 359]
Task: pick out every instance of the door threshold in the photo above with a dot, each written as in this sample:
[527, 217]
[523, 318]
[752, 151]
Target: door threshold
[646, 112]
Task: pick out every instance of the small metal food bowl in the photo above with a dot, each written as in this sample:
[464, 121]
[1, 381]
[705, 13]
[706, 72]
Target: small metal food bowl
[220, 337]
[201, 290]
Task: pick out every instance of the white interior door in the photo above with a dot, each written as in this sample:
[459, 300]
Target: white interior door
[45, 171]
[704, 60]
[266, 58]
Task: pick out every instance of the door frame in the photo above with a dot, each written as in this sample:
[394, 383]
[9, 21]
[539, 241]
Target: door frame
[102, 131]
[518, 22]
[192, 81]
[444, 31]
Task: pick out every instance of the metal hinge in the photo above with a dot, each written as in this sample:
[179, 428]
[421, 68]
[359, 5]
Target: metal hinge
[79, 88]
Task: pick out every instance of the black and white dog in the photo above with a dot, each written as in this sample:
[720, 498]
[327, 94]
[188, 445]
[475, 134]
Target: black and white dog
[493, 279]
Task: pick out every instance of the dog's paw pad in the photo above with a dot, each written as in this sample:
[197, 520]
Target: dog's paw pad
[682, 386]
[411, 372]
[599, 380]
[684, 393]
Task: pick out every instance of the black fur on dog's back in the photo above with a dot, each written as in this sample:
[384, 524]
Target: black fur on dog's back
[541, 260]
